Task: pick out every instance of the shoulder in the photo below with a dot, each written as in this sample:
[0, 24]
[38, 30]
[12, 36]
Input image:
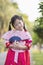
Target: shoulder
[28, 33]
[6, 34]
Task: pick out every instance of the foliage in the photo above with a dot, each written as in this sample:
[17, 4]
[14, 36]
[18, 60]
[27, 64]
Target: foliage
[35, 38]
[38, 25]
[41, 8]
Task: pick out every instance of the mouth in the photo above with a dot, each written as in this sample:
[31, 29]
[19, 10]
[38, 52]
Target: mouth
[20, 28]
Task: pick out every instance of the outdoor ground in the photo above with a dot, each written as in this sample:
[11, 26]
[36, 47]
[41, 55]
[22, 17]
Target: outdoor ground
[2, 58]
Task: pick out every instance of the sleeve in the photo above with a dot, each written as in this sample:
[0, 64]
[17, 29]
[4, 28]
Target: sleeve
[7, 44]
[28, 41]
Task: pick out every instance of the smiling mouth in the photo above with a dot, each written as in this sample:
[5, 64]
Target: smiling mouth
[20, 28]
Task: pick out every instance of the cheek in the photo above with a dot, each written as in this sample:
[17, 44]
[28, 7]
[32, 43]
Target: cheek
[22, 23]
[16, 27]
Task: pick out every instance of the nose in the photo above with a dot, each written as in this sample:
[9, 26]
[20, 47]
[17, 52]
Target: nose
[20, 25]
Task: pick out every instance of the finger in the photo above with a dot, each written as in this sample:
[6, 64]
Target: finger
[17, 42]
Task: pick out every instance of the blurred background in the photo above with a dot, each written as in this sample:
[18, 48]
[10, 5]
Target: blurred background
[32, 14]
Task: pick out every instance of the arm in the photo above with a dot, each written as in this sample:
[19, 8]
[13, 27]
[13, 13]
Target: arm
[27, 46]
[16, 46]
[21, 46]
[11, 45]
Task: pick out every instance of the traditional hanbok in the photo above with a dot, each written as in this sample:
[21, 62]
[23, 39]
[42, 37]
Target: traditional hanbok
[17, 57]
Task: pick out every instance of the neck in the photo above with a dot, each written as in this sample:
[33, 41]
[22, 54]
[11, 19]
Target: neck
[19, 30]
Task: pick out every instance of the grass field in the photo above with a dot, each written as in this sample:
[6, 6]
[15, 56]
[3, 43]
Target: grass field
[37, 58]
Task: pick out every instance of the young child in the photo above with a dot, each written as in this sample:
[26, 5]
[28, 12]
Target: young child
[18, 51]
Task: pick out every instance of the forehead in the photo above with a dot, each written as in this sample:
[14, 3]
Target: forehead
[17, 21]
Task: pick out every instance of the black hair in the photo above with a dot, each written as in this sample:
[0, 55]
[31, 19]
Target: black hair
[13, 19]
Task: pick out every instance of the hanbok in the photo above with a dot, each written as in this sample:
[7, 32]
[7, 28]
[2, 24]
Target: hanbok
[17, 57]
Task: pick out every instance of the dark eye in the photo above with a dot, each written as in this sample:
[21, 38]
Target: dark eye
[19, 23]
[16, 24]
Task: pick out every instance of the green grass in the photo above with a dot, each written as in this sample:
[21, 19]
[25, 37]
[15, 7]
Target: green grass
[37, 58]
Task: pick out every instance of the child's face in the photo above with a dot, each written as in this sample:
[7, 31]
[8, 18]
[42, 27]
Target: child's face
[18, 24]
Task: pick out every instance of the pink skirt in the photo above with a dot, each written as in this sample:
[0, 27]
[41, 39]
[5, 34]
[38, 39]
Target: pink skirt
[23, 58]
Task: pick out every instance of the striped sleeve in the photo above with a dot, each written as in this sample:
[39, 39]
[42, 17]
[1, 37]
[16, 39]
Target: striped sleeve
[7, 44]
[29, 40]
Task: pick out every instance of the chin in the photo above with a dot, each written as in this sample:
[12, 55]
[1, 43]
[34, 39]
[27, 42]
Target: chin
[20, 29]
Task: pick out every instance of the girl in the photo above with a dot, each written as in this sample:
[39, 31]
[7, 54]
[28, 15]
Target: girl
[18, 54]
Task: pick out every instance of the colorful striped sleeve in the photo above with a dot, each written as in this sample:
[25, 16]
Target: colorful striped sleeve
[7, 44]
[29, 40]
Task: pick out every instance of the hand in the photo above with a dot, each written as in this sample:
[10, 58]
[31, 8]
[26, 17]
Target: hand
[16, 42]
[16, 45]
